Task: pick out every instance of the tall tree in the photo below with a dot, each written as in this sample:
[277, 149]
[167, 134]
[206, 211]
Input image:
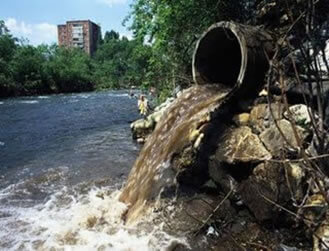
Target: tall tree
[111, 35]
[173, 27]
[3, 28]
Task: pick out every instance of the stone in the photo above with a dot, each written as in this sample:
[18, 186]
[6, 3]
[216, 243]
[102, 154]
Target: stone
[141, 140]
[220, 176]
[143, 127]
[299, 114]
[262, 189]
[241, 145]
[164, 105]
[321, 237]
[261, 118]
[241, 119]
[263, 93]
[296, 175]
[314, 209]
[188, 213]
[275, 142]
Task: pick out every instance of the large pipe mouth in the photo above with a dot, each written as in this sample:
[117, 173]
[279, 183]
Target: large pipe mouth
[219, 56]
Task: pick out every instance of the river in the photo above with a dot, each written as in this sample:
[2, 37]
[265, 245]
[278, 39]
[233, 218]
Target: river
[63, 160]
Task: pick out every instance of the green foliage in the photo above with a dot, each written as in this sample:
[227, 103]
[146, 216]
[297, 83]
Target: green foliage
[109, 35]
[3, 28]
[160, 55]
[71, 70]
[173, 27]
[28, 70]
[121, 63]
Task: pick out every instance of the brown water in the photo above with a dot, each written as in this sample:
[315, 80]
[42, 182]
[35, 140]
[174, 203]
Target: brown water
[180, 126]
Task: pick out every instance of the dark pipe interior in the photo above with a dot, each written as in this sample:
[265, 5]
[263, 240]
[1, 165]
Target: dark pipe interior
[218, 58]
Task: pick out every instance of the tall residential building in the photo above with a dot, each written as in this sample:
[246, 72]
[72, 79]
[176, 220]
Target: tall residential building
[83, 34]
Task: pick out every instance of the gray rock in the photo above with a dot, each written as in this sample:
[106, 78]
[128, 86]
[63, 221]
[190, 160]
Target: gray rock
[262, 189]
[143, 127]
[220, 176]
[261, 118]
[275, 142]
[241, 145]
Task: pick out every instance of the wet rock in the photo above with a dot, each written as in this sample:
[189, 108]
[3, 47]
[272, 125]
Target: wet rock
[209, 186]
[164, 105]
[263, 188]
[296, 177]
[315, 214]
[250, 236]
[274, 141]
[190, 213]
[220, 176]
[241, 145]
[261, 118]
[314, 210]
[241, 119]
[143, 127]
[321, 237]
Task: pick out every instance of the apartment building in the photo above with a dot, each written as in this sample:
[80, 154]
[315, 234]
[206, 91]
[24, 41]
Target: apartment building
[82, 34]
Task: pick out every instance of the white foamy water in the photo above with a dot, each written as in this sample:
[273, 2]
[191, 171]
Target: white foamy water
[67, 221]
[84, 95]
[43, 97]
[118, 95]
[29, 102]
[1, 103]
[2, 143]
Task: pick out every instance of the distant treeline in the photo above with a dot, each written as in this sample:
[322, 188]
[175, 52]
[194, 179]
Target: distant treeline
[29, 70]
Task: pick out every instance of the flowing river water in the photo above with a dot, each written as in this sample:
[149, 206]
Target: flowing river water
[63, 160]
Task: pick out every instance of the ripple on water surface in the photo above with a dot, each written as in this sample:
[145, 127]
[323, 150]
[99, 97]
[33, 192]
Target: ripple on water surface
[53, 194]
[29, 101]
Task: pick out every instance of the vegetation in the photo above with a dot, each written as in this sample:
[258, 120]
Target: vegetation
[172, 29]
[29, 70]
[165, 33]
[159, 55]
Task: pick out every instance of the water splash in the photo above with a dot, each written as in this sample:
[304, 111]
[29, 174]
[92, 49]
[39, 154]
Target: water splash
[73, 219]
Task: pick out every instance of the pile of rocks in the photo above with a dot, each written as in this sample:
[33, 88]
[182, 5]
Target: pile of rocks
[271, 192]
[143, 127]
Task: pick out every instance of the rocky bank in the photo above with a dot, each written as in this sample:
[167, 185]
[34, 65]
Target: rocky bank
[254, 194]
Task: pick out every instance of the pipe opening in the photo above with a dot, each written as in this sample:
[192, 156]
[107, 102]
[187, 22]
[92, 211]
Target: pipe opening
[218, 57]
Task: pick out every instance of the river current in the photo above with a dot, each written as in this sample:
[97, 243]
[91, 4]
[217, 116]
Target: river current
[63, 160]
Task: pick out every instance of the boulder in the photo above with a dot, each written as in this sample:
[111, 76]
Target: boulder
[275, 142]
[143, 127]
[272, 185]
[241, 145]
[220, 176]
[262, 189]
[261, 118]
